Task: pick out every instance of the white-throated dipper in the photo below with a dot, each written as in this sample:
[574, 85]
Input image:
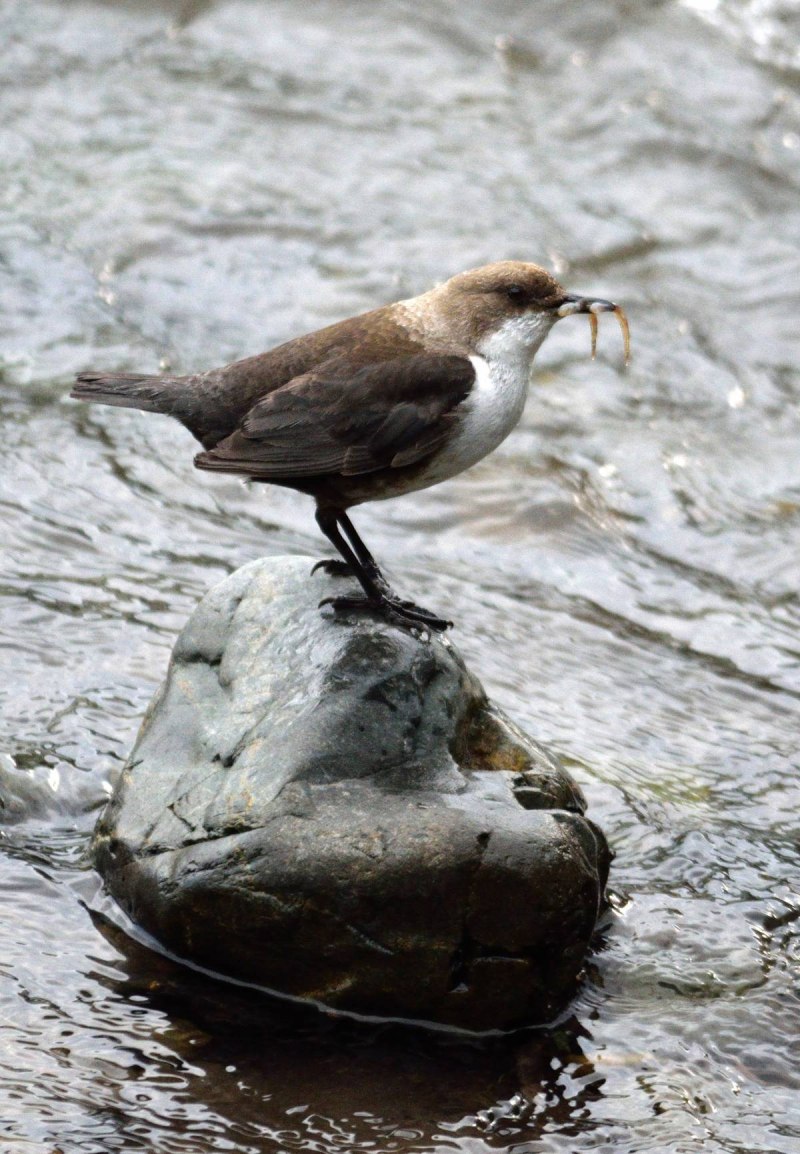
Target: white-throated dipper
[372, 407]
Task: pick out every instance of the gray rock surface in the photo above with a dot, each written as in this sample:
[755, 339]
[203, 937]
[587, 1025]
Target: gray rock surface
[329, 807]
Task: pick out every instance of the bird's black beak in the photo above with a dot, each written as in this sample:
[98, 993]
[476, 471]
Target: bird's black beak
[570, 305]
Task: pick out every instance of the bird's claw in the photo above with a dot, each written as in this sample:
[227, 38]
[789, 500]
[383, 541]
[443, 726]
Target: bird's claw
[403, 613]
[333, 567]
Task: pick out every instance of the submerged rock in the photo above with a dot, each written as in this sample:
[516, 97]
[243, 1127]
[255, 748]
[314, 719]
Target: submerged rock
[332, 809]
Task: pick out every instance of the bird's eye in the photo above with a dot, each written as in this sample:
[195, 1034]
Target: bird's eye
[516, 293]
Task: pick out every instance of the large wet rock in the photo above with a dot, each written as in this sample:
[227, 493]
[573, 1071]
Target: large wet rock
[332, 809]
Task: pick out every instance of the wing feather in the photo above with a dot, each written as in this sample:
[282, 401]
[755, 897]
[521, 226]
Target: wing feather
[347, 420]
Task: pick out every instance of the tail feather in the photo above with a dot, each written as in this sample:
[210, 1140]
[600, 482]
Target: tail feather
[196, 401]
[127, 390]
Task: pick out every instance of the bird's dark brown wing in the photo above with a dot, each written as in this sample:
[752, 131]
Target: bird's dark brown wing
[347, 420]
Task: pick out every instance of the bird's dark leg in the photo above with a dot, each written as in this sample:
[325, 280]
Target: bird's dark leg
[328, 521]
[365, 558]
[379, 595]
[361, 551]
[372, 567]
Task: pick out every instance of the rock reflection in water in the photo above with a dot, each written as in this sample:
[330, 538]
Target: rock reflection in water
[335, 1079]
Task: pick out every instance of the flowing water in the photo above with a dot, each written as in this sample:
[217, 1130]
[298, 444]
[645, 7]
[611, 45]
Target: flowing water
[185, 183]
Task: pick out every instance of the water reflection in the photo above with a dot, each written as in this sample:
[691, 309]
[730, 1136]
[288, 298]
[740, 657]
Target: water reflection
[130, 1044]
[261, 1058]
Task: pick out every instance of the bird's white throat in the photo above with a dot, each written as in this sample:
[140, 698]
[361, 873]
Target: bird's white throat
[517, 339]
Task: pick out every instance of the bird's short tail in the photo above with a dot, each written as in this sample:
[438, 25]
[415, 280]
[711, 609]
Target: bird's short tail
[128, 390]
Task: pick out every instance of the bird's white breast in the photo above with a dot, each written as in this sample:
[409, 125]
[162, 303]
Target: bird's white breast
[485, 417]
[493, 406]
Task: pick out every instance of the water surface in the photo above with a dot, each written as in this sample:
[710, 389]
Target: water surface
[185, 183]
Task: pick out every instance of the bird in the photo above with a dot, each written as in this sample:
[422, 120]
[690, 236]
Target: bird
[375, 406]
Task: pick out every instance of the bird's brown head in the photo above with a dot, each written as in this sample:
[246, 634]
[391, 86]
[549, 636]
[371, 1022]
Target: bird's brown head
[507, 286]
[509, 305]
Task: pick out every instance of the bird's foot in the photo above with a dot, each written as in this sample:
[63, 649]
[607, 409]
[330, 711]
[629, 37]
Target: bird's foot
[403, 613]
[333, 567]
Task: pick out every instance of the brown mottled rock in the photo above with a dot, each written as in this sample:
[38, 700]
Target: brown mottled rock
[332, 809]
